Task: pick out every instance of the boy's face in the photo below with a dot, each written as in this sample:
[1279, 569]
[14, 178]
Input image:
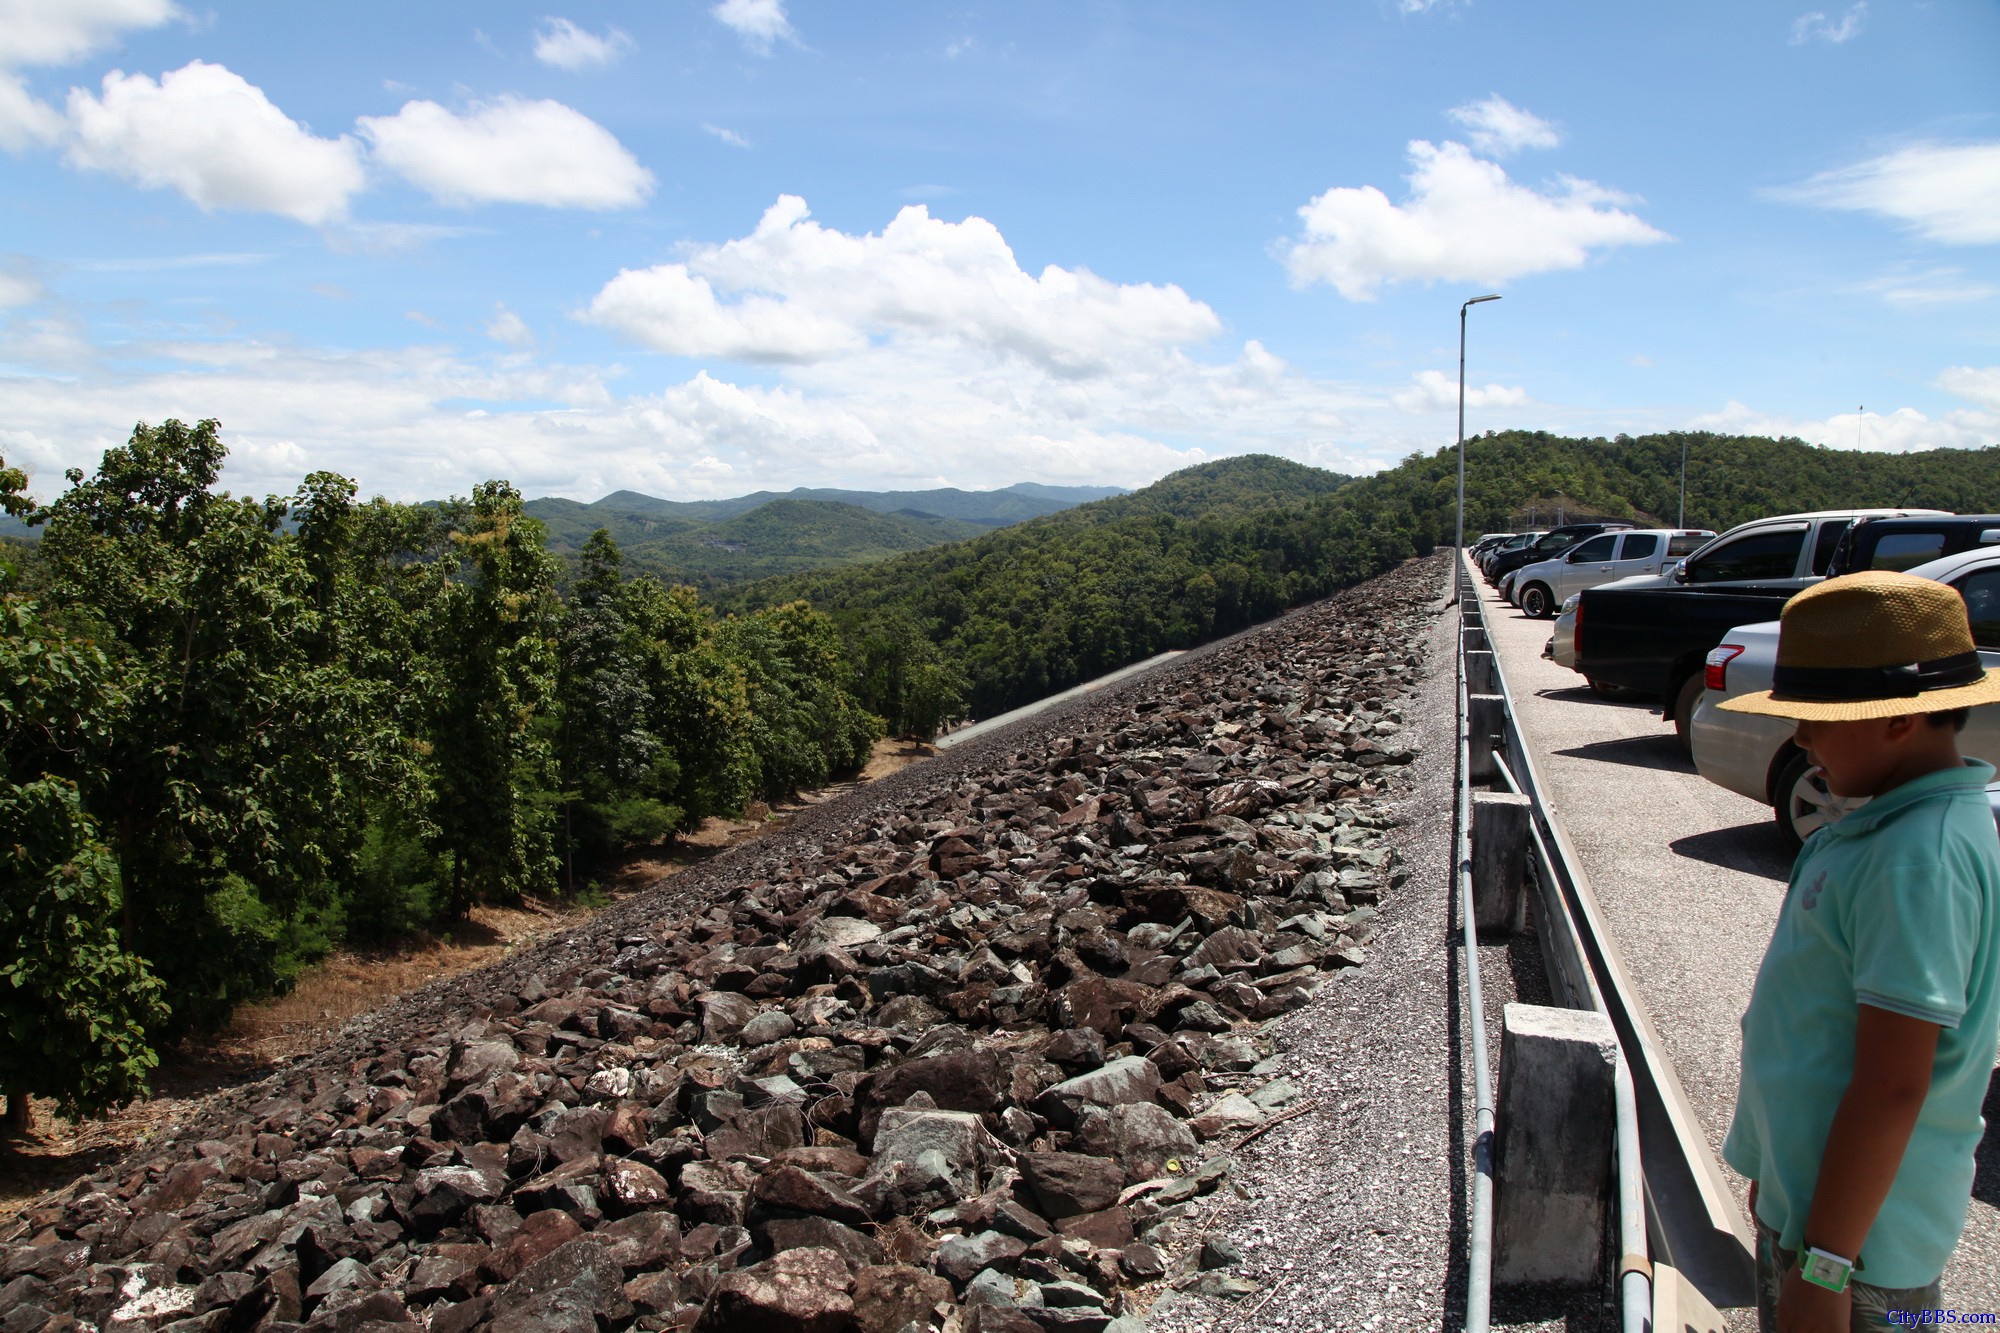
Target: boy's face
[1859, 758]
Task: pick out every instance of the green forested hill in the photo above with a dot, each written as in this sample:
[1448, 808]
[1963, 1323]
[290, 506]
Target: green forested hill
[1730, 478]
[1036, 608]
[712, 544]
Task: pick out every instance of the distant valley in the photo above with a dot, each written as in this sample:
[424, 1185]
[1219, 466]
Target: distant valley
[718, 543]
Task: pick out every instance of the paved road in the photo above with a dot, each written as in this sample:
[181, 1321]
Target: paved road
[1690, 878]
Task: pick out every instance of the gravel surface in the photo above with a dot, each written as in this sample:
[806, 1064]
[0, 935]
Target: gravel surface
[1354, 1215]
[1690, 877]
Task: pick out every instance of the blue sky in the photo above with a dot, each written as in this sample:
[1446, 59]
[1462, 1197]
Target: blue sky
[699, 248]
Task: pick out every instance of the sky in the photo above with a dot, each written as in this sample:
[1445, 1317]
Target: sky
[697, 249]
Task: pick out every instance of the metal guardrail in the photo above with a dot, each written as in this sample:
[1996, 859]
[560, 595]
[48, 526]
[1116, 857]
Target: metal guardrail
[1674, 1207]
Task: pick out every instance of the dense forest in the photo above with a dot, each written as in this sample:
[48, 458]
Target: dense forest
[1044, 605]
[237, 733]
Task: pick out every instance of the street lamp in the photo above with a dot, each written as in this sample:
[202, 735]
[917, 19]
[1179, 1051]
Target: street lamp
[1682, 521]
[1461, 413]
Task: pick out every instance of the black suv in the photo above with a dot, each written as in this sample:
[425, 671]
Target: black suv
[1551, 543]
[1905, 543]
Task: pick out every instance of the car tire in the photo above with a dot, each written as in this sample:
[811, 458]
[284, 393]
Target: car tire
[1686, 699]
[1801, 802]
[1536, 602]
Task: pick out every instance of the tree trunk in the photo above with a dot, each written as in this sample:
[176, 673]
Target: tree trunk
[20, 1114]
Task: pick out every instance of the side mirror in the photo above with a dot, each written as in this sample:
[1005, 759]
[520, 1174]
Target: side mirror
[1681, 572]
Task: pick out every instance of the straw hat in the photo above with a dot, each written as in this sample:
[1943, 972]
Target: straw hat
[1873, 644]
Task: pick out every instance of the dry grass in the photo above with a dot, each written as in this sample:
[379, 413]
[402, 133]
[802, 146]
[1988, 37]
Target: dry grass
[263, 1037]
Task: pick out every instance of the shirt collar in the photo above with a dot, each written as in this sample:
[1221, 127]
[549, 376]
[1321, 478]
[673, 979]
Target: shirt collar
[1973, 776]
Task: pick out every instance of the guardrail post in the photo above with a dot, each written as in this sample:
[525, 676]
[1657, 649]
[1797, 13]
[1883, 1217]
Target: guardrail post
[1554, 1127]
[1499, 861]
[1486, 729]
[1480, 676]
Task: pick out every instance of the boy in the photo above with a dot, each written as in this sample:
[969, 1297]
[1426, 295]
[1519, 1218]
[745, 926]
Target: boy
[1871, 1032]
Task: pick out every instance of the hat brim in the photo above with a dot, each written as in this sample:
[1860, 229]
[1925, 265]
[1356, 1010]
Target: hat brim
[1769, 703]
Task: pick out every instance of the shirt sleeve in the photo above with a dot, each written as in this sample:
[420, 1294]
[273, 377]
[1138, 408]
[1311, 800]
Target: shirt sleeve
[1914, 929]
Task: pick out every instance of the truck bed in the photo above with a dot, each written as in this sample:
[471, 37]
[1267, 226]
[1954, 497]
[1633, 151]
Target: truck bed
[1651, 639]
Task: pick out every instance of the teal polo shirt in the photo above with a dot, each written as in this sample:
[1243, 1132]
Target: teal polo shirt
[1898, 906]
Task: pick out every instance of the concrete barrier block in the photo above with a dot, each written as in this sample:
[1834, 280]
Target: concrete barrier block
[1480, 675]
[1499, 861]
[1486, 726]
[1554, 1127]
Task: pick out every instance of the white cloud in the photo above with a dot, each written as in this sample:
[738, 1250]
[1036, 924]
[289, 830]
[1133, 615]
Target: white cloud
[1464, 221]
[1435, 391]
[216, 139]
[509, 328]
[55, 32]
[1922, 289]
[1943, 192]
[794, 291]
[508, 151]
[25, 120]
[758, 22]
[17, 289]
[560, 43]
[1979, 384]
[728, 136]
[1904, 430]
[1816, 26]
[1497, 127]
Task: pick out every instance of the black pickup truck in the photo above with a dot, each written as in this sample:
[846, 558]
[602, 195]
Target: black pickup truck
[1654, 640]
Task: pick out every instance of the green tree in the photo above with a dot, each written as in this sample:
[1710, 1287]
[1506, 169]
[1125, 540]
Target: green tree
[75, 1006]
[493, 755]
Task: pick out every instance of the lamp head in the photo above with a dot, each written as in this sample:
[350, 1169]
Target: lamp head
[1477, 299]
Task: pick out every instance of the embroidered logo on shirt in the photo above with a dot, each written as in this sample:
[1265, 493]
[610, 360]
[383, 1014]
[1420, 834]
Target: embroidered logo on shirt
[1810, 896]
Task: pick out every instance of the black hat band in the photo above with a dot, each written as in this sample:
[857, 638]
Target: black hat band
[1847, 684]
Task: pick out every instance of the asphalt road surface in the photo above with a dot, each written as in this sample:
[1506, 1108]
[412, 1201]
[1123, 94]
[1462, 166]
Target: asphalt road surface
[1690, 878]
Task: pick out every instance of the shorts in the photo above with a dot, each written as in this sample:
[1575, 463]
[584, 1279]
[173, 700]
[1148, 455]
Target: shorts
[1871, 1304]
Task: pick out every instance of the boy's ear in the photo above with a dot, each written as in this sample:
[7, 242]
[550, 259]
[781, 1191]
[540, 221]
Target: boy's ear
[1902, 725]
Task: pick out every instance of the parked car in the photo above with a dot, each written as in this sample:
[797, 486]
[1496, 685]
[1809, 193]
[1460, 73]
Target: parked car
[1487, 542]
[1550, 544]
[1513, 543]
[1905, 543]
[1756, 757]
[1651, 634]
[1540, 588]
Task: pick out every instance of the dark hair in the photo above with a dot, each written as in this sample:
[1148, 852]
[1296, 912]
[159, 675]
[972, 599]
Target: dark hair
[1955, 718]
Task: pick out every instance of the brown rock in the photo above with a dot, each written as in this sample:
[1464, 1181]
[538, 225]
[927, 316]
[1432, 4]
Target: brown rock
[541, 1234]
[1107, 1229]
[1067, 1184]
[799, 1291]
[889, 1296]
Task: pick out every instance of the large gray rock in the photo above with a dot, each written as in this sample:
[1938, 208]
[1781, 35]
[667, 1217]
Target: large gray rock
[1123, 1082]
[1145, 1138]
[723, 1014]
[905, 1134]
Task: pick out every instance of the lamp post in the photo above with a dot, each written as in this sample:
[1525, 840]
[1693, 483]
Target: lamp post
[1682, 520]
[1461, 413]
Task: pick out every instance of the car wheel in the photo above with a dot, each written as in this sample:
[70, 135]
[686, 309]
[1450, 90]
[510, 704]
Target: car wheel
[1536, 602]
[1685, 702]
[1803, 803]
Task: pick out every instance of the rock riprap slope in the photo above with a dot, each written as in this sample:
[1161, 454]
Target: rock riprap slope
[967, 1063]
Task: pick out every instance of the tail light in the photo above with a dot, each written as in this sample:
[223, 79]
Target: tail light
[1715, 667]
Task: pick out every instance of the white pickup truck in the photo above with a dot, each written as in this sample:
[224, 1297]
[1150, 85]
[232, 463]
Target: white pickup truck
[1755, 756]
